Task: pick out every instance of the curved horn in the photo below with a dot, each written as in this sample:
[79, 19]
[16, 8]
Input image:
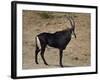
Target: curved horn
[73, 22]
[70, 21]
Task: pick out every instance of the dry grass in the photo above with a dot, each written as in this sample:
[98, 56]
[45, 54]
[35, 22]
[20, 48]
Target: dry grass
[77, 53]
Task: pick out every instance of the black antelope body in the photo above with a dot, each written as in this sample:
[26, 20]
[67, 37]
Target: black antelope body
[59, 40]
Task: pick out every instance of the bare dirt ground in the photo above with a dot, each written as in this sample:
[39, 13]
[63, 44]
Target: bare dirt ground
[77, 53]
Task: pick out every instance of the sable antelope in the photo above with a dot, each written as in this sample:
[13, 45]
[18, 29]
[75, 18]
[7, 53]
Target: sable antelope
[59, 40]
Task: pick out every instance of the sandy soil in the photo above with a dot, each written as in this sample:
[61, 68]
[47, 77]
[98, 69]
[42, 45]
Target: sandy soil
[77, 53]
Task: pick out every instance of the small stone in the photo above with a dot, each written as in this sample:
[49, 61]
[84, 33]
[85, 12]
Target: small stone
[76, 58]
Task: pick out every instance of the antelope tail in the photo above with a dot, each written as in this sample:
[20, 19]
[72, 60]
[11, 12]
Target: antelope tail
[38, 45]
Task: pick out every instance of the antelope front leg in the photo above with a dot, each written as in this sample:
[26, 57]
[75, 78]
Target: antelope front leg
[61, 55]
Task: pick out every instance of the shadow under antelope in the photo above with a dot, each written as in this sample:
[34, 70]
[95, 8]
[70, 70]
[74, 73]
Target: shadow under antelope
[59, 40]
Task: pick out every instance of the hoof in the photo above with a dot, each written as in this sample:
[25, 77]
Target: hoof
[61, 65]
[45, 63]
[36, 62]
